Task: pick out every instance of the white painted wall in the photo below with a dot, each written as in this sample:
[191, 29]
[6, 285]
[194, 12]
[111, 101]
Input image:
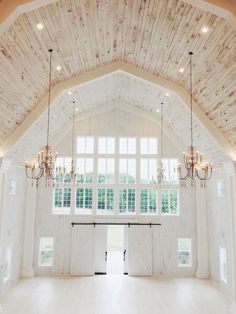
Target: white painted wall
[117, 122]
[219, 227]
[12, 189]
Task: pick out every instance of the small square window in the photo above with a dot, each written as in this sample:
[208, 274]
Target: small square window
[184, 252]
[46, 252]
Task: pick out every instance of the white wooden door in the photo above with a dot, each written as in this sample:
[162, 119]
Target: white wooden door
[100, 249]
[139, 251]
[125, 253]
[82, 250]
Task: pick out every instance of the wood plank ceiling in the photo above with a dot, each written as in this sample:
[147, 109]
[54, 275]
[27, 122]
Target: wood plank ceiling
[154, 35]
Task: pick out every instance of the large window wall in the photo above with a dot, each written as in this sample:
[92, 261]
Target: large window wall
[117, 176]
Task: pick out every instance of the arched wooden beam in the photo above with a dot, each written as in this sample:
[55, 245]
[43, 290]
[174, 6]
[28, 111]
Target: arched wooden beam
[136, 72]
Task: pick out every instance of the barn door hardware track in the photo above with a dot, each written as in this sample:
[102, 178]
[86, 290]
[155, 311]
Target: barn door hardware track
[113, 224]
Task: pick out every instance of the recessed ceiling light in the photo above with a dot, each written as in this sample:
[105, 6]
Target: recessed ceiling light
[181, 70]
[76, 109]
[59, 68]
[204, 29]
[167, 94]
[70, 92]
[39, 26]
[157, 111]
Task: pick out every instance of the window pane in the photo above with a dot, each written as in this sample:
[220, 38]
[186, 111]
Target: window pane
[131, 170]
[152, 170]
[81, 145]
[110, 145]
[165, 201]
[184, 252]
[144, 171]
[110, 170]
[122, 200]
[102, 145]
[144, 201]
[131, 200]
[132, 146]
[67, 197]
[123, 170]
[123, 145]
[144, 145]
[152, 201]
[80, 170]
[89, 145]
[152, 146]
[58, 197]
[46, 252]
[89, 170]
[80, 198]
[173, 201]
[110, 199]
[101, 199]
[88, 199]
[101, 170]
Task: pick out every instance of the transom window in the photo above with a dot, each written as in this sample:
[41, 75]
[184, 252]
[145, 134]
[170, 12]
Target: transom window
[106, 145]
[170, 166]
[85, 145]
[148, 146]
[127, 145]
[148, 170]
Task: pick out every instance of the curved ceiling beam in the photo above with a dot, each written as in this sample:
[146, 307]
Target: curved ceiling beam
[61, 87]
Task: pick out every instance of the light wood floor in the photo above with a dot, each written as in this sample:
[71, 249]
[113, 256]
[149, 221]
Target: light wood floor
[114, 295]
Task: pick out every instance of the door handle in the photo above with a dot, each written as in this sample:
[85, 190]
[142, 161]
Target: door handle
[124, 255]
[106, 256]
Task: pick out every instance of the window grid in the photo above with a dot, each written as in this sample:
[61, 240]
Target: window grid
[94, 179]
[84, 200]
[148, 201]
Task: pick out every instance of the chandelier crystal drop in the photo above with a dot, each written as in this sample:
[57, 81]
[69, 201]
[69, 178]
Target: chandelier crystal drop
[194, 165]
[65, 174]
[46, 159]
[160, 168]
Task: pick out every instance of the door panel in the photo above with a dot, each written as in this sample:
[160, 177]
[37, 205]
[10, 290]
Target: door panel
[140, 250]
[100, 249]
[82, 250]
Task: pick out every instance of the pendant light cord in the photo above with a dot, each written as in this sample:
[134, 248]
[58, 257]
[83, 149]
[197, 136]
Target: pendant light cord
[162, 131]
[49, 92]
[191, 96]
[73, 132]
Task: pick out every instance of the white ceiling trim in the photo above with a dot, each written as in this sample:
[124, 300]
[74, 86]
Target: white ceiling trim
[61, 87]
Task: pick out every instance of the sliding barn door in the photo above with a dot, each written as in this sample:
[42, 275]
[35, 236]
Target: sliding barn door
[100, 249]
[140, 250]
[82, 250]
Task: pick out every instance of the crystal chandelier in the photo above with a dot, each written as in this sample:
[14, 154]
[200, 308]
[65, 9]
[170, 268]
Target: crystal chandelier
[194, 164]
[160, 167]
[66, 174]
[44, 167]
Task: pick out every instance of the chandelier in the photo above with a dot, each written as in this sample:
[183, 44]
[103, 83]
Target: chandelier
[195, 166]
[44, 167]
[66, 174]
[160, 167]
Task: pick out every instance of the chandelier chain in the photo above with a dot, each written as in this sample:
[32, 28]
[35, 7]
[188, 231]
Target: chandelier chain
[49, 92]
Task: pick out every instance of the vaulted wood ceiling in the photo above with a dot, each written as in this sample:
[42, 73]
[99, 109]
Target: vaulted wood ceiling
[152, 35]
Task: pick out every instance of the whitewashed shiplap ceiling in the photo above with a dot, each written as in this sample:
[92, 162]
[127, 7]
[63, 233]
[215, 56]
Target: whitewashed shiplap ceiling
[154, 35]
[120, 90]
